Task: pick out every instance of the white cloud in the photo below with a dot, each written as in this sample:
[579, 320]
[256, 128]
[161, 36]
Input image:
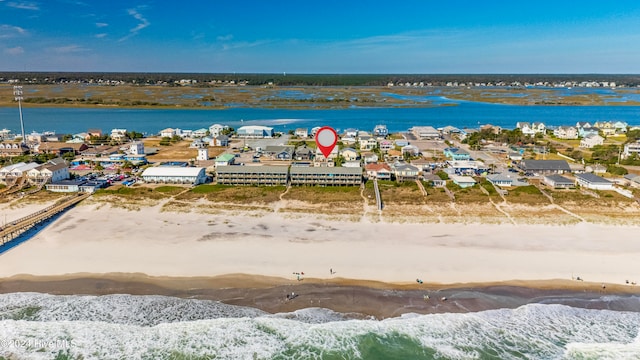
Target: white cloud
[245, 44]
[18, 50]
[67, 49]
[143, 23]
[24, 5]
[100, 36]
[225, 37]
[9, 31]
[101, 25]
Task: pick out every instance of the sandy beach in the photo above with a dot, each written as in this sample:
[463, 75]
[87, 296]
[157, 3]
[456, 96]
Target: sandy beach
[98, 238]
[240, 256]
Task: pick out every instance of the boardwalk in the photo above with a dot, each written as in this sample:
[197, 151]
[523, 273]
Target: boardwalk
[19, 226]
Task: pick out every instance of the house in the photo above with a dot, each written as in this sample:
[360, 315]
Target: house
[5, 134]
[595, 182]
[401, 142]
[119, 134]
[539, 127]
[386, 145]
[319, 157]
[216, 130]
[69, 185]
[410, 150]
[583, 132]
[606, 127]
[463, 181]
[175, 174]
[369, 157]
[13, 149]
[220, 140]
[434, 180]
[545, 167]
[405, 172]
[631, 149]
[454, 153]
[349, 154]
[515, 156]
[302, 133]
[596, 169]
[566, 132]
[380, 131]
[200, 133]
[225, 159]
[350, 133]
[393, 155]
[367, 143]
[280, 152]
[94, 132]
[425, 132]
[500, 180]
[525, 128]
[421, 164]
[467, 167]
[255, 131]
[303, 153]
[60, 148]
[168, 132]
[633, 180]
[591, 140]
[487, 128]
[378, 171]
[136, 148]
[48, 172]
[620, 126]
[558, 182]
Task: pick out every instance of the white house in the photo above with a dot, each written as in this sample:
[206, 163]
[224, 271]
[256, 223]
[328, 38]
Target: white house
[200, 133]
[302, 133]
[168, 132]
[349, 154]
[631, 148]
[215, 130]
[118, 134]
[136, 148]
[591, 181]
[367, 143]
[565, 132]
[591, 140]
[175, 175]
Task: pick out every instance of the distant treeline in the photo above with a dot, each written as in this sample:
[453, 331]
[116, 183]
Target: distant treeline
[204, 79]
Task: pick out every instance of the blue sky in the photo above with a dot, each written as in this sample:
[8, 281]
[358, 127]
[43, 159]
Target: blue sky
[307, 36]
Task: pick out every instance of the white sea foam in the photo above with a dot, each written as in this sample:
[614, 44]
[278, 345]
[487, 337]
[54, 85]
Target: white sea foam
[121, 309]
[531, 331]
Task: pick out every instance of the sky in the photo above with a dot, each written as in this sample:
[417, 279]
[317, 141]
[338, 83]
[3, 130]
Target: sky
[309, 36]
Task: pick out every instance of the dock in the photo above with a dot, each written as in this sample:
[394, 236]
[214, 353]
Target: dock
[15, 228]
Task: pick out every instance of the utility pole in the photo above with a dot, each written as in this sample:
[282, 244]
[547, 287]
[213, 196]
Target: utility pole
[17, 92]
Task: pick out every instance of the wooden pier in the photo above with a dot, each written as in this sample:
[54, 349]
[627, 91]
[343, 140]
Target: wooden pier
[15, 228]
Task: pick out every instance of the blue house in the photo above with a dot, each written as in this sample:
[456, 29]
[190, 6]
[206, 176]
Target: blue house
[456, 154]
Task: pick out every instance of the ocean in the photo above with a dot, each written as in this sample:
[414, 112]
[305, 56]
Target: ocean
[460, 114]
[42, 326]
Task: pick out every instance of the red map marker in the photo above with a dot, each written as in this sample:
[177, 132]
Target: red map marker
[326, 139]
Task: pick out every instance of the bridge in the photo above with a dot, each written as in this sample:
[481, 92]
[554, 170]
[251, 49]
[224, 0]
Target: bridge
[15, 228]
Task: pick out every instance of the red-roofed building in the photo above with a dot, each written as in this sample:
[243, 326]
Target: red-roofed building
[378, 171]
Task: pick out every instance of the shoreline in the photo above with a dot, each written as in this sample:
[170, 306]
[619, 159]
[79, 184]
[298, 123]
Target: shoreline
[357, 298]
[252, 257]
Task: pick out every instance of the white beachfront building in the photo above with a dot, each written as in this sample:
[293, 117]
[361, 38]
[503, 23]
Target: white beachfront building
[175, 175]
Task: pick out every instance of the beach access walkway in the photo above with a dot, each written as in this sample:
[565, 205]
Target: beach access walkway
[14, 229]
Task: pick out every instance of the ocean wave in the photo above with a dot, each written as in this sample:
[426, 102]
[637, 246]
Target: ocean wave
[532, 331]
[145, 310]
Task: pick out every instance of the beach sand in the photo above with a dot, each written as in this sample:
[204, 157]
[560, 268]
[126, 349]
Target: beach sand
[95, 248]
